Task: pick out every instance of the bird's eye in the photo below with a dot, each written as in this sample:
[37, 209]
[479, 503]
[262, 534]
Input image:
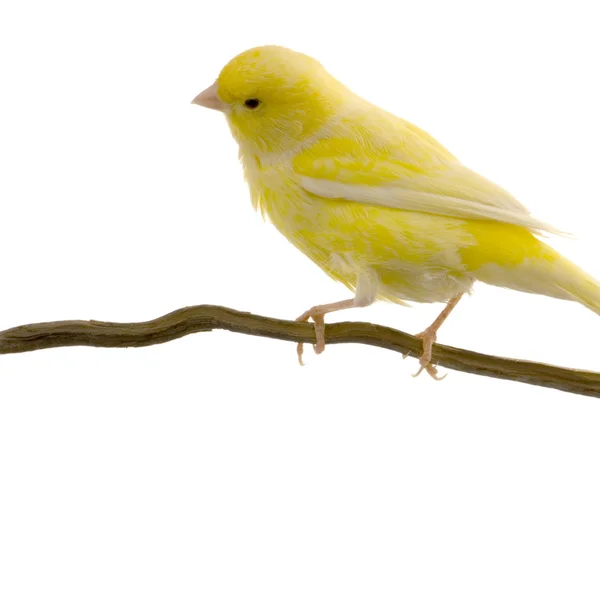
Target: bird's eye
[252, 103]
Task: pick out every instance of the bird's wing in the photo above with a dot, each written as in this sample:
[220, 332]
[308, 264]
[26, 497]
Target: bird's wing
[415, 173]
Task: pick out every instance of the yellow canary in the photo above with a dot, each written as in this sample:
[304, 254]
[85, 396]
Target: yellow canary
[375, 201]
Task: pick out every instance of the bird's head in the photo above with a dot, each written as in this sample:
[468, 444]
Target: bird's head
[273, 98]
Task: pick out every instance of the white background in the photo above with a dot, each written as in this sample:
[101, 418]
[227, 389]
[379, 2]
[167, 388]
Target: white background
[214, 467]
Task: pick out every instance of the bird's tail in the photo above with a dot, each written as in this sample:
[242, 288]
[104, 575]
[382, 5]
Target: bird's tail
[582, 288]
[549, 274]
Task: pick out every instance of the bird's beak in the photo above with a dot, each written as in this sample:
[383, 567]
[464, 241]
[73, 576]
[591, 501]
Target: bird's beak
[210, 99]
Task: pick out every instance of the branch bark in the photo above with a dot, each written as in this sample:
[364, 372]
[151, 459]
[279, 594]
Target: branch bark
[194, 319]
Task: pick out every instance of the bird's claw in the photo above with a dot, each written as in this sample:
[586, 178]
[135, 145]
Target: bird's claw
[300, 352]
[431, 371]
[429, 338]
[319, 321]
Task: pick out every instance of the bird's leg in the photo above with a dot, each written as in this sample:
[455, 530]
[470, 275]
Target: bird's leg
[429, 337]
[366, 293]
[317, 314]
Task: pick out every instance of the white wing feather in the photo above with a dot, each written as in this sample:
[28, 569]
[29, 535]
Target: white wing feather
[403, 198]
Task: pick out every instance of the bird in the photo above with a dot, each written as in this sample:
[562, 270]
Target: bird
[375, 201]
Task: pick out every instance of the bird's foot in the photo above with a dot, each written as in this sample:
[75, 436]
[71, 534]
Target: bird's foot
[319, 320]
[429, 338]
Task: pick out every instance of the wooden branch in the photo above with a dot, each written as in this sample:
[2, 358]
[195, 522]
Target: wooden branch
[194, 319]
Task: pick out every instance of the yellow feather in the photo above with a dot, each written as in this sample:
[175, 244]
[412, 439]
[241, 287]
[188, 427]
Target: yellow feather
[370, 197]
